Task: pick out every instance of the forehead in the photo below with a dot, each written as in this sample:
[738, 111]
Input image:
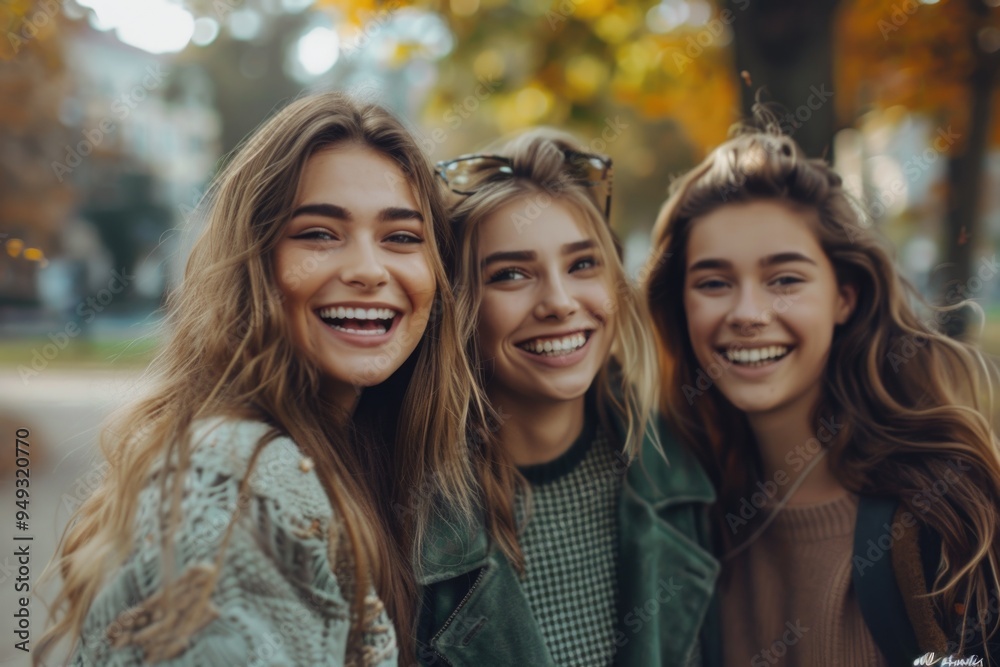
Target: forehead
[356, 177]
[526, 224]
[752, 230]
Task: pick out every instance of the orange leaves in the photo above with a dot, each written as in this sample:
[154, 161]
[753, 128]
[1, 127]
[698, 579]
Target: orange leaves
[909, 53]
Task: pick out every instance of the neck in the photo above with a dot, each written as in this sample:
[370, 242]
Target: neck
[534, 433]
[342, 395]
[793, 452]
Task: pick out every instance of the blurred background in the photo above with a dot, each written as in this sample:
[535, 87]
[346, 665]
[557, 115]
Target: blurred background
[115, 114]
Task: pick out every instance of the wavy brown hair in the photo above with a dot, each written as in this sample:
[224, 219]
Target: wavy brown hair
[230, 353]
[628, 383]
[911, 400]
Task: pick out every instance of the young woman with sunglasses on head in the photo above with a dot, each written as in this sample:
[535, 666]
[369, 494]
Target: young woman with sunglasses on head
[588, 551]
[857, 470]
[312, 381]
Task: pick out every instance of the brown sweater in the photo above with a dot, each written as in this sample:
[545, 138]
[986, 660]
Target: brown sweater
[788, 598]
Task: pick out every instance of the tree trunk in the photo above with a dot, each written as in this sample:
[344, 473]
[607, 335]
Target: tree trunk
[787, 48]
[963, 230]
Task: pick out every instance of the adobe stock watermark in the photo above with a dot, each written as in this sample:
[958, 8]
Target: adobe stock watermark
[705, 380]
[922, 502]
[696, 44]
[457, 114]
[224, 7]
[121, 108]
[32, 25]
[635, 620]
[86, 310]
[540, 202]
[906, 348]
[900, 14]
[779, 648]
[797, 460]
[793, 120]
[912, 169]
[561, 13]
[395, 352]
[370, 29]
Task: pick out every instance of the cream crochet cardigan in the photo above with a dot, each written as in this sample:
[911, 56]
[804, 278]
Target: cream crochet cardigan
[280, 595]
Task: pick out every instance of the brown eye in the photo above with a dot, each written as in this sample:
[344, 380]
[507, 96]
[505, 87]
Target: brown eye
[316, 235]
[404, 237]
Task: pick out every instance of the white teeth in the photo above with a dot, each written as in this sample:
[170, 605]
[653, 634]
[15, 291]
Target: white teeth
[340, 313]
[555, 347]
[756, 355]
[361, 332]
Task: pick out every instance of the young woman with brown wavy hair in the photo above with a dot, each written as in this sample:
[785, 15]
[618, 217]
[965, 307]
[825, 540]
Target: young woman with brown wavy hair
[588, 551]
[313, 380]
[856, 464]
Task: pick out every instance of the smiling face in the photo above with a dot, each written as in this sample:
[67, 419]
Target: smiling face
[353, 267]
[543, 328]
[762, 301]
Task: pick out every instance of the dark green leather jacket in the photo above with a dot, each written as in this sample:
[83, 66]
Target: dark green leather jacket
[474, 613]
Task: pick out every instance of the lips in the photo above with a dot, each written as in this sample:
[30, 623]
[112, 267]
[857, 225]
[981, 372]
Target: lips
[370, 321]
[556, 346]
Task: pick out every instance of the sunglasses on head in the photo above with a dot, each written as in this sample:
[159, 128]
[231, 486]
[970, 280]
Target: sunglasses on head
[467, 174]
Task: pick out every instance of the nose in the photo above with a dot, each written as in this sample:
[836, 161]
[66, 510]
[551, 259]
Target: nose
[748, 313]
[362, 265]
[556, 301]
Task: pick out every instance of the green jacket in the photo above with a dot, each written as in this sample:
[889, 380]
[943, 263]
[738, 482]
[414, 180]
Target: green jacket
[474, 613]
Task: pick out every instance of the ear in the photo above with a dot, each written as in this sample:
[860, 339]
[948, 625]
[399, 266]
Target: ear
[847, 299]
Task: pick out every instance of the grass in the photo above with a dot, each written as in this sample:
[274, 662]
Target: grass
[79, 353]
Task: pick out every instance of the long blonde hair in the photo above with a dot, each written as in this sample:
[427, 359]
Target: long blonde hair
[628, 384]
[911, 400]
[230, 354]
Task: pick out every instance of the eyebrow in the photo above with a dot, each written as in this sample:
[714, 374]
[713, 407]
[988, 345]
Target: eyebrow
[577, 246]
[531, 255]
[770, 260]
[389, 214]
[510, 256]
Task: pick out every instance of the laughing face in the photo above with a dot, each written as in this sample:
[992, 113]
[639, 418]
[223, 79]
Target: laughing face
[353, 268]
[762, 301]
[543, 328]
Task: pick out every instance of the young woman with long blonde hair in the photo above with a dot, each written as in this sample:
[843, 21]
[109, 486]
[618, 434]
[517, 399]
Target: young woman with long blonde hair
[313, 381]
[850, 441]
[588, 551]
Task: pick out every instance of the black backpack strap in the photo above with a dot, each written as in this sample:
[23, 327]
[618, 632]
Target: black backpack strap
[875, 582]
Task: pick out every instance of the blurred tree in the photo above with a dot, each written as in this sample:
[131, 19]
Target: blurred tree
[578, 63]
[33, 86]
[247, 77]
[649, 87]
[940, 59]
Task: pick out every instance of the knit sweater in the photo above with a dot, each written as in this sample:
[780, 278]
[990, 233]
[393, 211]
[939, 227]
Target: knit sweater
[788, 599]
[280, 595]
[570, 546]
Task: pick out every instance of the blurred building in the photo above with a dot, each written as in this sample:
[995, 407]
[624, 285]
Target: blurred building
[137, 139]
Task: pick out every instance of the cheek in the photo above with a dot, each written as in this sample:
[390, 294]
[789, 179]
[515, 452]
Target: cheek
[417, 278]
[289, 282]
[492, 314]
[698, 318]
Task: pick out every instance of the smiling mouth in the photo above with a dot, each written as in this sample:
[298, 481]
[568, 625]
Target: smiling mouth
[757, 356]
[361, 321]
[557, 346]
